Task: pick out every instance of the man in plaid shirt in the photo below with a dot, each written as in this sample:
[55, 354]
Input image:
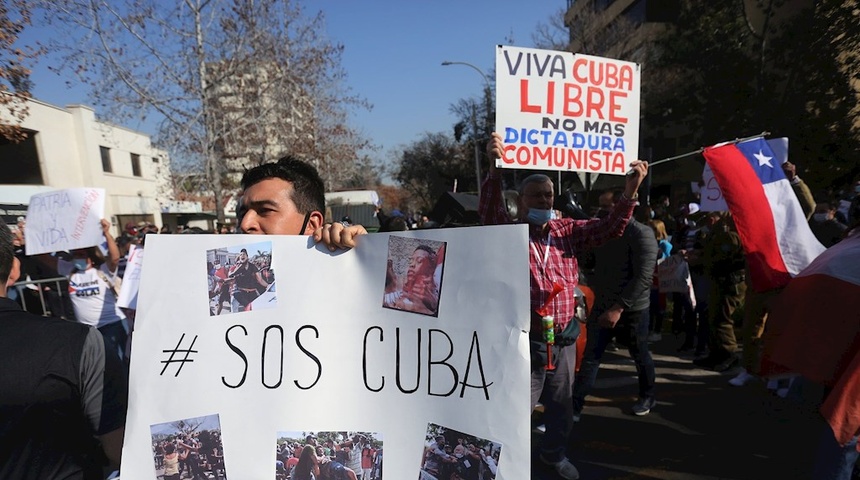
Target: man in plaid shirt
[553, 245]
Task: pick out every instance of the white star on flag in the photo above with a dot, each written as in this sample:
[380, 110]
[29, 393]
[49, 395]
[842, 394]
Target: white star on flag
[763, 159]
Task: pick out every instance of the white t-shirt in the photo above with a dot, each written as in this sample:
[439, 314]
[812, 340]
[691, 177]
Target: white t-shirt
[94, 303]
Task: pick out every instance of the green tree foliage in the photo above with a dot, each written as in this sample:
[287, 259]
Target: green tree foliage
[820, 107]
[723, 71]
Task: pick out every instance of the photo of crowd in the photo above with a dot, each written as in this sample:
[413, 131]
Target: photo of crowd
[328, 456]
[413, 277]
[189, 448]
[452, 455]
[240, 278]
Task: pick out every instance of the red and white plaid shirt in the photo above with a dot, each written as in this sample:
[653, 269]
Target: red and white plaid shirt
[552, 254]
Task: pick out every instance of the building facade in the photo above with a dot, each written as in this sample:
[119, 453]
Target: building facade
[69, 148]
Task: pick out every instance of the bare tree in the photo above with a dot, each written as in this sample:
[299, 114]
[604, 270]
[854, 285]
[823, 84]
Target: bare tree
[234, 83]
[15, 84]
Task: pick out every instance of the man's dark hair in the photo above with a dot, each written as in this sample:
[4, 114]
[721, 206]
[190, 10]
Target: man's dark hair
[7, 253]
[308, 188]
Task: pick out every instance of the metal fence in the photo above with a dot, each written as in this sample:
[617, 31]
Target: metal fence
[49, 297]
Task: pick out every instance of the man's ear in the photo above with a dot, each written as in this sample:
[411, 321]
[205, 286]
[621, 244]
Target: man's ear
[15, 273]
[315, 221]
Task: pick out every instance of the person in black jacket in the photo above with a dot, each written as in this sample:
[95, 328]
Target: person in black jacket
[622, 283]
[62, 397]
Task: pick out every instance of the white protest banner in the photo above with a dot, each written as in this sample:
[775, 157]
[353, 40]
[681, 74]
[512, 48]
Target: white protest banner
[568, 112]
[64, 220]
[712, 196]
[131, 279]
[406, 337]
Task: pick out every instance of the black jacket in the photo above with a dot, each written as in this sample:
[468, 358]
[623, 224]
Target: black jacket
[624, 269]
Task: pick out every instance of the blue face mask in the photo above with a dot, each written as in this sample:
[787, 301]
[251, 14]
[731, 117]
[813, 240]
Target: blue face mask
[81, 263]
[539, 216]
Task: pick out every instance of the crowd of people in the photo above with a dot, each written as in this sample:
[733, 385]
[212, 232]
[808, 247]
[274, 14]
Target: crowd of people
[356, 457]
[627, 307]
[196, 456]
[465, 460]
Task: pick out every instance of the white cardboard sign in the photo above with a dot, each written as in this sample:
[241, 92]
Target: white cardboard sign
[131, 279]
[64, 220]
[405, 336]
[568, 112]
[712, 196]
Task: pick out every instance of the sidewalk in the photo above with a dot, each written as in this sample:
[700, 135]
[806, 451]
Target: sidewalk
[701, 429]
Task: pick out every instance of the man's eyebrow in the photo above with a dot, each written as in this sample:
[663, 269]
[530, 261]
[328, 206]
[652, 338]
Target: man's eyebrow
[261, 203]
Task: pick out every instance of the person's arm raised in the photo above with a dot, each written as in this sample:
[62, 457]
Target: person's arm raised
[112, 259]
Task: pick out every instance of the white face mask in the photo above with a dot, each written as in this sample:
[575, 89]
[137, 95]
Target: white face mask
[819, 217]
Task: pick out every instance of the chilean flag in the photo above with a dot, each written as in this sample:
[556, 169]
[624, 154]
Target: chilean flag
[772, 227]
[813, 329]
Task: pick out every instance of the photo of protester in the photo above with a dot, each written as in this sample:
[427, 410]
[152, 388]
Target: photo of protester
[240, 278]
[452, 455]
[413, 278]
[328, 456]
[188, 448]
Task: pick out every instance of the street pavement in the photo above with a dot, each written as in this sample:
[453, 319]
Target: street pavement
[701, 429]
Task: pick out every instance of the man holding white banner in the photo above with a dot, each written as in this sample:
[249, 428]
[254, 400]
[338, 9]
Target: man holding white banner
[554, 274]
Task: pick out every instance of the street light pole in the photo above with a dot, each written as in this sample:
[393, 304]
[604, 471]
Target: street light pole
[487, 92]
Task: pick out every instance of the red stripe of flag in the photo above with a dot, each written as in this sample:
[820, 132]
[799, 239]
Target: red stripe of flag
[753, 217]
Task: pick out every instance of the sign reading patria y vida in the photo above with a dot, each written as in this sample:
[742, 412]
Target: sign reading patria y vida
[561, 111]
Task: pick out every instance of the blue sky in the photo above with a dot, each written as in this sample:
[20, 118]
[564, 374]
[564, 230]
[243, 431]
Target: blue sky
[393, 55]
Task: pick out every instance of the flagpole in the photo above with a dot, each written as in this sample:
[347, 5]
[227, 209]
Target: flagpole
[696, 152]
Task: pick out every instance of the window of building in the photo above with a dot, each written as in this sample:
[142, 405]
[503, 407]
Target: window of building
[154, 159]
[135, 165]
[106, 166]
[19, 162]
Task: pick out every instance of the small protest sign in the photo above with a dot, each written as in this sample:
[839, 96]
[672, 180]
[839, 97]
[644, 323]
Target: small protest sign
[567, 112]
[64, 220]
[131, 279]
[712, 196]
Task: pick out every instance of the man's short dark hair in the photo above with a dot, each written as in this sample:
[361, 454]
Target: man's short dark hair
[308, 188]
[7, 253]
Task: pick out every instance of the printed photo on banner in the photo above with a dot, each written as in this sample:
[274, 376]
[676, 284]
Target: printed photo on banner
[453, 455]
[188, 448]
[240, 278]
[566, 112]
[413, 277]
[339, 455]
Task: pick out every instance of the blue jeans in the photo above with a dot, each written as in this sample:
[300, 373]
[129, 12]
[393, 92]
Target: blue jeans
[631, 330]
[834, 461]
[115, 339]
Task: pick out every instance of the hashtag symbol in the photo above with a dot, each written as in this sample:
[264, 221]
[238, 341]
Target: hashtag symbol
[176, 350]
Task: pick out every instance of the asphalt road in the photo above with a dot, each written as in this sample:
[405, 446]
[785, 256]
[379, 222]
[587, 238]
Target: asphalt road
[701, 429]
